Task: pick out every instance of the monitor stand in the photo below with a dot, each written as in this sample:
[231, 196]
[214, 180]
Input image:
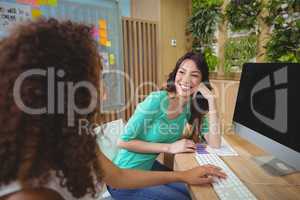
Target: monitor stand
[274, 166]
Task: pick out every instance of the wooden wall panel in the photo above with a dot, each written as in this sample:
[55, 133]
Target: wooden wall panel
[140, 60]
[146, 9]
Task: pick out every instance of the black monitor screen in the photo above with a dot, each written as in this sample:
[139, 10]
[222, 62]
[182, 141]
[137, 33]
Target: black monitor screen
[268, 101]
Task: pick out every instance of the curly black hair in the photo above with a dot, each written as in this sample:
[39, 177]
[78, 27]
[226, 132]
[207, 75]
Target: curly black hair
[32, 145]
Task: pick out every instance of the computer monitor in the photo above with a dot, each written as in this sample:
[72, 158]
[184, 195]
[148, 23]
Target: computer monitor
[267, 113]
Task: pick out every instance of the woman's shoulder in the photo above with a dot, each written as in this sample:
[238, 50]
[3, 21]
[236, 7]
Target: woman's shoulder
[36, 194]
[156, 96]
[153, 100]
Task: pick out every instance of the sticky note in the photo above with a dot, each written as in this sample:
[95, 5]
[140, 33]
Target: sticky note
[42, 2]
[35, 3]
[95, 32]
[36, 13]
[108, 43]
[201, 149]
[102, 24]
[103, 33]
[52, 2]
[29, 2]
[25, 1]
[103, 41]
[112, 59]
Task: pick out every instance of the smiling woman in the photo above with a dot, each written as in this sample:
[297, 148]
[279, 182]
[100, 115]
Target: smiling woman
[158, 124]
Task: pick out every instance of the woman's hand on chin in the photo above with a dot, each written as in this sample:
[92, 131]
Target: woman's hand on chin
[207, 93]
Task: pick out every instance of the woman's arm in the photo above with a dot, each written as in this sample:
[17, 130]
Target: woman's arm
[123, 178]
[180, 146]
[213, 138]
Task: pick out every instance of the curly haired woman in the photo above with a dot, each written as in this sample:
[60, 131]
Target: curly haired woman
[41, 155]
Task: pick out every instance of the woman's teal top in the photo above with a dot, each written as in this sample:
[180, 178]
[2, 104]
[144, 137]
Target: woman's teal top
[150, 123]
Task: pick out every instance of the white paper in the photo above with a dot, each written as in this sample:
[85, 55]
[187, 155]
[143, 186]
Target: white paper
[11, 14]
[224, 150]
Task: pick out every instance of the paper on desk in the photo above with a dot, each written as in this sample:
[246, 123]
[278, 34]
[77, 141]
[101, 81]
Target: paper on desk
[224, 150]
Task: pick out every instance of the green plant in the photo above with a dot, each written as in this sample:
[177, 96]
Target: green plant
[211, 59]
[196, 4]
[243, 15]
[289, 57]
[239, 51]
[277, 8]
[203, 22]
[284, 43]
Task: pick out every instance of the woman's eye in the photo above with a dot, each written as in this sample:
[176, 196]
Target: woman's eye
[195, 75]
[181, 72]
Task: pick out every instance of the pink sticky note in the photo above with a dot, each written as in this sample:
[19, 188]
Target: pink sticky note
[95, 32]
[29, 2]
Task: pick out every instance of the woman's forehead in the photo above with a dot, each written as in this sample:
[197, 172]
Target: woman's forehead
[189, 65]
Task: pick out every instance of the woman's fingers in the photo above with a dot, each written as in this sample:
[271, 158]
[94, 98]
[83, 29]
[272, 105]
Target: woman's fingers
[207, 180]
[218, 174]
[207, 93]
[189, 149]
[190, 146]
[190, 143]
[214, 171]
[211, 166]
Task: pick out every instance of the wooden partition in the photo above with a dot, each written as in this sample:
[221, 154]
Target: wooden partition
[140, 47]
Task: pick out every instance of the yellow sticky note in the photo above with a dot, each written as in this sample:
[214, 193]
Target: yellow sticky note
[103, 41]
[42, 2]
[52, 2]
[36, 13]
[108, 43]
[102, 24]
[112, 59]
[103, 33]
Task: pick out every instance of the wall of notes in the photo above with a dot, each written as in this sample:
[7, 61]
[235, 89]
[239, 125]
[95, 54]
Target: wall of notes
[102, 15]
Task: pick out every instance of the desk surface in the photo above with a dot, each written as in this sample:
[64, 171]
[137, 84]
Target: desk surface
[259, 182]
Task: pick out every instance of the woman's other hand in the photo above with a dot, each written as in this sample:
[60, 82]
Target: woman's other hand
[202, 175]
[182, 146]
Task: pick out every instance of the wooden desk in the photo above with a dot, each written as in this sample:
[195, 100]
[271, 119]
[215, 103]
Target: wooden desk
[275, 188]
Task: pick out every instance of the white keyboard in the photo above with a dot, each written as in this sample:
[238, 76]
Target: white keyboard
[230, 188]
